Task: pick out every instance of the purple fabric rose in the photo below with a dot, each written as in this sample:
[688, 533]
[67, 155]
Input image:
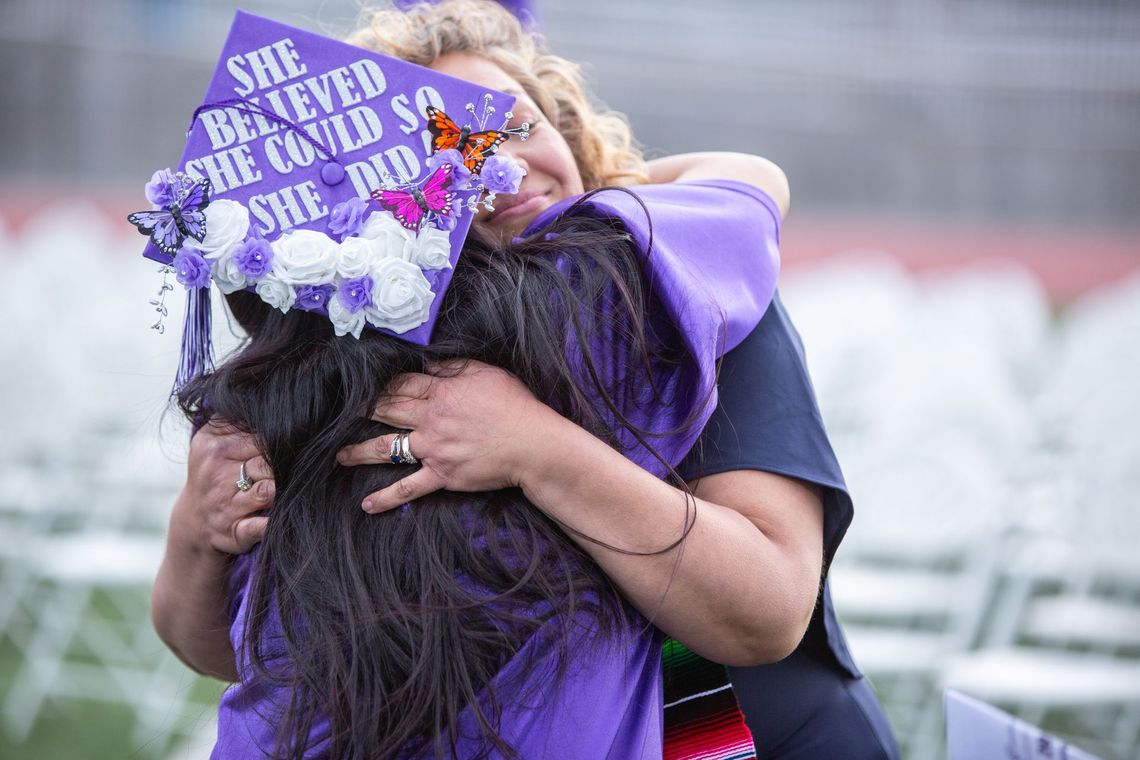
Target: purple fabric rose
[162, 190]
[356, 293]
[347, 218]
[501, 174]
[459, 173]
[313, 297]
[191, 268]
[254, 258]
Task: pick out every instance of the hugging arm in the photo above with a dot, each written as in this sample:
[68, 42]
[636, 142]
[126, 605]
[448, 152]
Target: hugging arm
[741, 588]
[210, 523]
[754, 170]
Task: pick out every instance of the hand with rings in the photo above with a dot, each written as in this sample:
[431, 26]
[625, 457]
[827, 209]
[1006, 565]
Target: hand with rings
[228, 488]
[472, 427]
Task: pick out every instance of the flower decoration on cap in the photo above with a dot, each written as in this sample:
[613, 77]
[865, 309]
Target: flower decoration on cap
[191, 269]
[460, 174]
[501, 175]
[374, 275]
[348, 217]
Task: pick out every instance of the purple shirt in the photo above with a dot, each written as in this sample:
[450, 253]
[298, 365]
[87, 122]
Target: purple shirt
[711, 267]
[711, 272]
[610, 704]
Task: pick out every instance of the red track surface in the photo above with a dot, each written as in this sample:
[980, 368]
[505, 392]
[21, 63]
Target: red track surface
[1068, 262]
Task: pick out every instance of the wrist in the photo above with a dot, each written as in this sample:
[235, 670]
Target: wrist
[189, 536]
[559, 454]
[545, 434]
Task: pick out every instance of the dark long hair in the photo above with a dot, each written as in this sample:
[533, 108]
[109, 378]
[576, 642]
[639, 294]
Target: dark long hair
[390, 625]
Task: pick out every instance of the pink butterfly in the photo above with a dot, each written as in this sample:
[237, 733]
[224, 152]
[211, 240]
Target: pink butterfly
[411, 205]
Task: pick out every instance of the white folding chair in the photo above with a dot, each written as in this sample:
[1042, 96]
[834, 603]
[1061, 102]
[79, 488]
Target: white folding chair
[1070, 646]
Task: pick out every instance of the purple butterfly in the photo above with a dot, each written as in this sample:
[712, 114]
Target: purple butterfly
[412, 205]
[170, 225]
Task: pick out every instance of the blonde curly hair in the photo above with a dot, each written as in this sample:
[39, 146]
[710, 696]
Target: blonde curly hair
[599, 138]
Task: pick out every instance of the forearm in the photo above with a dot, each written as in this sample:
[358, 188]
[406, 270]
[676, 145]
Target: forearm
[189, 603]
[733, 592]
[754, 170]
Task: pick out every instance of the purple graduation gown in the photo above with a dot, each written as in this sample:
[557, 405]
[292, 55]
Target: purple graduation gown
[711, 271]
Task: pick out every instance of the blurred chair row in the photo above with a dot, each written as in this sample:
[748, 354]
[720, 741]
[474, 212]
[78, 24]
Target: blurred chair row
[994, 462]
[1021, 624]
[76, 563]
[86, 483]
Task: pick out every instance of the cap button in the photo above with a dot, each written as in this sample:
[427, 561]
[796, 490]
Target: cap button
[332, 173]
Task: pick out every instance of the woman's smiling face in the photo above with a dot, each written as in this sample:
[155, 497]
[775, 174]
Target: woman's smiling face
[551, 172]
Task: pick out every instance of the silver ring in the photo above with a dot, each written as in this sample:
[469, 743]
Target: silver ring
[244, 482]
[394, 451]
[400, 451]
[406, 449]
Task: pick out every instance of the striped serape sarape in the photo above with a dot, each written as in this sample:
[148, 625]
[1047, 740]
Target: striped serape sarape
[702, 718]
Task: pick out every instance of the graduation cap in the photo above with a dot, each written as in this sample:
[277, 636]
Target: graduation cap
[325, 177]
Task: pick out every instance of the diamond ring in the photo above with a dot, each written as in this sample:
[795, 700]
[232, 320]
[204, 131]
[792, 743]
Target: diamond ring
[244, 482]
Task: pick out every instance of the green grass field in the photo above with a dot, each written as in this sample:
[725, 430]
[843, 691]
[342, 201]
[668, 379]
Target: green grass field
[108, 690]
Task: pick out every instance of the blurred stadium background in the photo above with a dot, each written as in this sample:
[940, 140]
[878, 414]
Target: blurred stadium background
[961, 259]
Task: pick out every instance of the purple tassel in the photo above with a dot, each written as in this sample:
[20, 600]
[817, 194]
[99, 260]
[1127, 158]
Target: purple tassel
[197, 345]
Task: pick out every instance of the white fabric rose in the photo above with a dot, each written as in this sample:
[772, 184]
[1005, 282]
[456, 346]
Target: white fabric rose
[276, 293]
[305, 257]
[389, 235]
[344, 320]
[401, 296]
[227, 276]
[227, 225]
[356, 257]
[408, 252]
[432, 249]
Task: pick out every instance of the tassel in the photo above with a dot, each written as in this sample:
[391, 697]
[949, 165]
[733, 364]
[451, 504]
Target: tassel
[197, 343]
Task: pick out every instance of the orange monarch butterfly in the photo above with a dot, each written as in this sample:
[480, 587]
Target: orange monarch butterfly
[475, 147]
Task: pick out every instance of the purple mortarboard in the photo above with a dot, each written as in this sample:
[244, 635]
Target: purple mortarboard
[324, 177]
